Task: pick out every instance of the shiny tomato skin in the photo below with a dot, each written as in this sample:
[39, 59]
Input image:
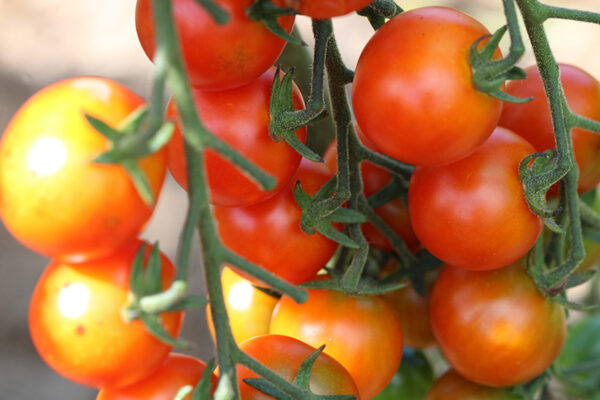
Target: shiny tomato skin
[269, 234]
[323, 9]
[216, 56]
[240, 117]
[77, 327]
[413, 95]
[494, 327]
[361, 332]
[472, 213]
[164, 382]
[533, 121]
[248, 308]
[452, 386]
[284, 355]
[54, 198]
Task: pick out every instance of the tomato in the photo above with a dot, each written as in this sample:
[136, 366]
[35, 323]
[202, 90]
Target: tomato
[494, 327]
[216, 56]
[248, 308]
[176, 371]
[472, 213]
[239, 117]
[394, 212]
[533, 121]
[76, 323]
[413, 95]
[54, 198]
[361, 332]
[453, 386]
[268, 233]
[323, 9]
[284, 355]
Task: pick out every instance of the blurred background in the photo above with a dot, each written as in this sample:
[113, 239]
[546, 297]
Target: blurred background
[42, 41]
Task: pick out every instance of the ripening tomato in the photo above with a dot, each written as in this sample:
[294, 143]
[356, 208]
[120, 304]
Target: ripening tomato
[164, 382]
[54, 198]
[472, 213]
[413, 94]
[217, 56]
[361, 332]
[269, 234]
[239, 117]
[284, 355]
[323, 9]
[452, 386]
[494, 327]
[77, 327]
[248, 308]
[533, 121]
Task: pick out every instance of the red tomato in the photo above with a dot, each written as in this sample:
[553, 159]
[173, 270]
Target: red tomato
[217, 56]
[175, 372]
[472, 213]
[394, 213]
[361, 332]
[413, 94]
[284, 355]
[268, 233]
[323, 9]
[76, 323]
[239, 117]
[494, 327]
[532, 120]
[54, 199]
[248, 308]
[452, 386]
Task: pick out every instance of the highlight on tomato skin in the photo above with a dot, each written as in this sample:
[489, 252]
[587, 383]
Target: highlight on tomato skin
[55, 199]
[452, 386]
[163, 383]
[240, 117]
[77, 326]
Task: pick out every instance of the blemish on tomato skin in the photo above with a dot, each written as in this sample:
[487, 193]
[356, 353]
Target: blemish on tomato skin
[80, 330]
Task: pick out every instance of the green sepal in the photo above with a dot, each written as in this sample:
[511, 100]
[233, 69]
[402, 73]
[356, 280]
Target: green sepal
[189, 303]
[580, 278]
[347, 216]
[302, 378]
[267, 13]
[140, 181]
[103, 128]
[267, 387]
[268, 291]
[562, 300]
[154, 326]
[137, 283]
[153, 272]
[218, 14]
[202, 391]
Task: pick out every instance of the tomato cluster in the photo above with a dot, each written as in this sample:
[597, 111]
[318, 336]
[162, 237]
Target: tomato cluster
[414, 101]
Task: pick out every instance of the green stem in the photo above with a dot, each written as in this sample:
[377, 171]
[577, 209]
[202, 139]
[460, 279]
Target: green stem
[567, 13]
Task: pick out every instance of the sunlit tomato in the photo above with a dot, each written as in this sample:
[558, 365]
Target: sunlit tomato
[494, 327]
[76, 322]
[175, 372]
[284, 355]
[217, 56]
[451, 386]
[248, 308]
[413, 94]
[361, 332]
[394, 213]
[54, 199]
[268, 233]
[323, 9]
[239, 117]
[472, 213]
[532, 120]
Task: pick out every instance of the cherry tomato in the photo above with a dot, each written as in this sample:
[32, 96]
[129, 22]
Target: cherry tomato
[175, 372]
[532, 120]
[323, 9]
[268, 233]
[55, 199]
[472, 213]
[361, 332]
[284, 355]
[394, 212]
[239, 117]
[248, 308]
[453, 386]
[494, 327]
[217, 56]
[413, 95]
[76, 323]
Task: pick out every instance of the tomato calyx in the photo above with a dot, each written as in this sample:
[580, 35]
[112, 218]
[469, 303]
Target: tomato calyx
[219, 15]
[380, 10]
[267, 13]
